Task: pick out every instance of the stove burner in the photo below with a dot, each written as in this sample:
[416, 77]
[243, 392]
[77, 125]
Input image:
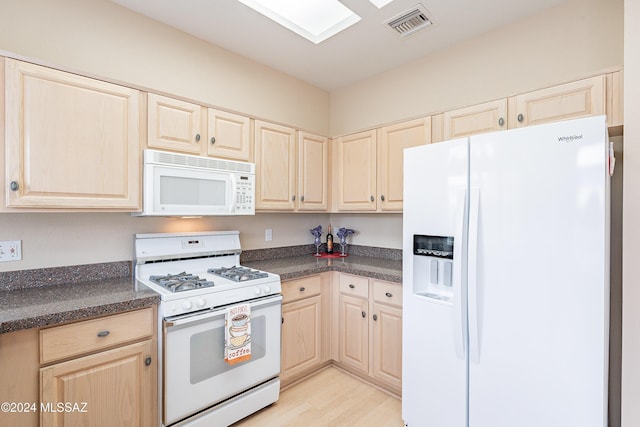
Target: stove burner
[180, 282]
[238, 274]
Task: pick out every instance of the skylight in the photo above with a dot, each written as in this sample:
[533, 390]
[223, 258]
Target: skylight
[380, 3]
[315, 20]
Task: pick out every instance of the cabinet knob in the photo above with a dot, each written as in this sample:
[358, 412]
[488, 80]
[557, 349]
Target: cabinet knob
[197, 137]
[382, 197]
[14, 186]
[375, 317]
[364, 314]
[293, 198]
[500, 122]
[147, 361]
[103, 334]
[352, 286]
[302, 198]
[213, 140]
[372, 198]
[388, 295]
[520, 118]
[282, 320]
[302, 289]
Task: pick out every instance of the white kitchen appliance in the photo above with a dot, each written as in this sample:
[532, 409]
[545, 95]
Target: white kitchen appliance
[183, 185]
[198, 277]
[506, 277]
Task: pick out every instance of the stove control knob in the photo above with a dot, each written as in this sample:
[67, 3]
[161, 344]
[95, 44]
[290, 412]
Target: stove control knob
[188, 305]
[267, 289]
[258, 291]
[201, 302]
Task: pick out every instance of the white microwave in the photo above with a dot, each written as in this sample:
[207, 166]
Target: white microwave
[183, 185]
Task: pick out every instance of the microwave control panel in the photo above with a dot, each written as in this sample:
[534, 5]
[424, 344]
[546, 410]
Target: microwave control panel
[245, 192]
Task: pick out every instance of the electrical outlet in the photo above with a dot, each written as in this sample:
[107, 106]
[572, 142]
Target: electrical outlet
[268, 235]
[10, 250]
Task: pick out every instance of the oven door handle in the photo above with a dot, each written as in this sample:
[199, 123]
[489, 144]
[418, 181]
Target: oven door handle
[198, 317]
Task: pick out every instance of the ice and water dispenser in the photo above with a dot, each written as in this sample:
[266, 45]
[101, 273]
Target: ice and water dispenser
[433, 266]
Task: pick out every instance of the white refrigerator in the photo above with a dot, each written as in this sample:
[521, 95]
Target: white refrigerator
[506, 278]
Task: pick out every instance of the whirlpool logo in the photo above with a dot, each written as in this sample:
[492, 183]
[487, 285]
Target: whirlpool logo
[570, 138]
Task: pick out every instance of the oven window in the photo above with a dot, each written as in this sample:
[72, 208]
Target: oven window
[207, 350]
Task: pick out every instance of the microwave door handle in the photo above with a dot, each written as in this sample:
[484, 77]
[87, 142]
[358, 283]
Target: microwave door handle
[233, 195]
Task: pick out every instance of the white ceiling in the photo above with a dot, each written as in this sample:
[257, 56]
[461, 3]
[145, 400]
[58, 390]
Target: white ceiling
[367, 48]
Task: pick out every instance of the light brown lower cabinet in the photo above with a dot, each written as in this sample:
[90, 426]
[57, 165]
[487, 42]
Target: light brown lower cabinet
[304, 326]
[369, 329]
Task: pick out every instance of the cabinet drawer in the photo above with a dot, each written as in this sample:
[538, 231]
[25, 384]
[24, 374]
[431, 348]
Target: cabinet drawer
[387, 293]
[295, 290]
[92, 335]
[354, 285]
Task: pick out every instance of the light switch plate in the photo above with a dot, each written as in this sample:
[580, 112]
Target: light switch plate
[268, 235]
[10, 250]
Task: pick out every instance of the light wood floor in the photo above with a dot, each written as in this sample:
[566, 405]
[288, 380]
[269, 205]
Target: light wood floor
[329, 398]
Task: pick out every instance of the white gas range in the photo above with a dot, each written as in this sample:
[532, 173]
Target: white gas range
[199, 278]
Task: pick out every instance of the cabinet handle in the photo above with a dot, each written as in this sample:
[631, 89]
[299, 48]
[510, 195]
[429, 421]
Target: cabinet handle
[364, 314]
[14, 186]
[372, 198]
[147, 361]
[197, 137]
[388, 295]
[382, 197]
[302, 198]
[293, 198]
[375, 317]
[520, 118]
[352, 286]
[213, 140]
[500, 122]
[282, 320]
[302, 289]
[103, 334]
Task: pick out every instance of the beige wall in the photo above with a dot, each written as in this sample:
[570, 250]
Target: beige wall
[104, 39]
[631, 224]
[566, 43]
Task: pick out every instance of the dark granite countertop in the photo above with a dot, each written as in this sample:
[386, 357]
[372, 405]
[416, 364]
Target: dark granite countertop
[53, 304]
[305, 265]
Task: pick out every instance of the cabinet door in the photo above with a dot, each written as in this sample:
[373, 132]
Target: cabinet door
[387, 344]
[116, 385]
[275, 166]
[301, 336]
[481, 118]
[354, 332]
[615, 101]
[392, 141]
[568, 101]
[174, 125]
[313, 163]
[71, 141]
[229, 135]
[357, 172]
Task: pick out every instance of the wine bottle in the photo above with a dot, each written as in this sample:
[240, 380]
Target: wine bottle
[329, 241]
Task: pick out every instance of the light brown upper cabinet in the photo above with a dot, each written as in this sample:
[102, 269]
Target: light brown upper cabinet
[370, 166]
[588, 97]
[71, 141]
[228, 136]
[615, 104]
[313, 170]
[275, 149]
[356, 164]
[174, 125]
[392, 140]
[568, 101]
[190, 128]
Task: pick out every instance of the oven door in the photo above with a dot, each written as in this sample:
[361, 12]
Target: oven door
[196, 375]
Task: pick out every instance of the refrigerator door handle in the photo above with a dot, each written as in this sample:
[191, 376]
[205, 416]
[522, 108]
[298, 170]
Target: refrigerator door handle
[472, 274]
[459, 306]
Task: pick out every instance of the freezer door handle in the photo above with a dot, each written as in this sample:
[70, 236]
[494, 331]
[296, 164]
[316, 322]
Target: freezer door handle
[459, 306]
[472, 275]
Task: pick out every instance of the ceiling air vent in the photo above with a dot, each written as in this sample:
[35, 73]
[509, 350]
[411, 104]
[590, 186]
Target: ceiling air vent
[411, 21]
